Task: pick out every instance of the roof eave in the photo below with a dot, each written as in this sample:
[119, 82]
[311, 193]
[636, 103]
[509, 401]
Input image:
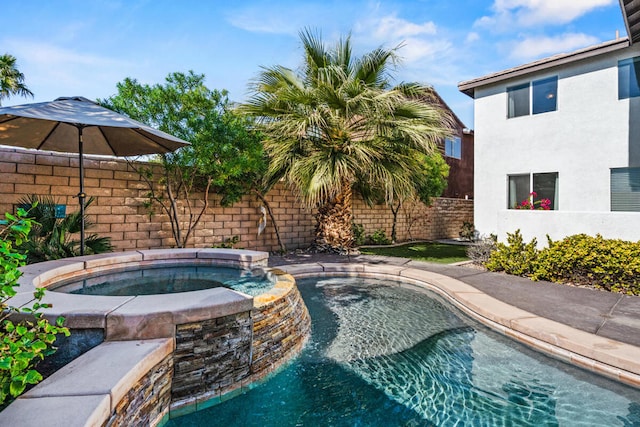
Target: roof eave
[631, 15]
[468, 87]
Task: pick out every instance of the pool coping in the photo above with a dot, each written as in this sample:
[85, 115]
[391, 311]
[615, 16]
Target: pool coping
[604, 356]
[137, 317]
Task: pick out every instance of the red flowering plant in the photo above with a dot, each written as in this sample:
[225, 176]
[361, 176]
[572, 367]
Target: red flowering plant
[530, 203]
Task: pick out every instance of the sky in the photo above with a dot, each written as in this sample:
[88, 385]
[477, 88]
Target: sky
[80, 47]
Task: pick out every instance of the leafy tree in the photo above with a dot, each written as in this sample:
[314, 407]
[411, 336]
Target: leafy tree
[53, 238]
[338, 123]
[22, 342]
[430, 180]
[11, 79]
[225, 155]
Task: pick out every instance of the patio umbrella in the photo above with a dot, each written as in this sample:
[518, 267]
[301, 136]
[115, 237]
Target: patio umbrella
[78, 125]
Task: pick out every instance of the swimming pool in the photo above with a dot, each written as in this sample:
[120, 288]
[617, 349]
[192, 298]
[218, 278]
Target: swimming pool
[382, 355]
[166, 279]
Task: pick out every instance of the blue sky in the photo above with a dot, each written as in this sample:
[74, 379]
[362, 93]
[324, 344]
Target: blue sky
[80, 47]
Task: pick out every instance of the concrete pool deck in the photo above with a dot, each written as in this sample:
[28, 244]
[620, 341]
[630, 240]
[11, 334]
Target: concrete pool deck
[597, 330]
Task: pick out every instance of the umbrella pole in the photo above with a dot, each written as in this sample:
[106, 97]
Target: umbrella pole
[81, 194]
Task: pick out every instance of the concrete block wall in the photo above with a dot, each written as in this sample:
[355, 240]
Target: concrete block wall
[119, 210]
[443, 219]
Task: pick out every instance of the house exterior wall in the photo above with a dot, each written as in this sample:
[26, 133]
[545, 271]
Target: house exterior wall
[582, 140]
[460, 180]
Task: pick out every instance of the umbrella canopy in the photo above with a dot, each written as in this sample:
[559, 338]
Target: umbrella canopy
[78, 125]
[54, 126]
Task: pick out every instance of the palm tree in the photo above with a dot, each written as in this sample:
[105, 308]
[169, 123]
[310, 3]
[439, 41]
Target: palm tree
[52, 237]
[338, 122]
[11, 80]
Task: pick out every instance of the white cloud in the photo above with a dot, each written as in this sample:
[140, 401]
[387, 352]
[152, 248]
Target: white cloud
[392, 27]
[52, 55]
[256, 22]
[537, 47]
[286, 19]
[527, 13]
[415, 49]
[51, 71]
[472, 37]
[420, 41]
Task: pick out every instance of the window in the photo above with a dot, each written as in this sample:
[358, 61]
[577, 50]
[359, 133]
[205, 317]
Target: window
[519, 186]
[518, 100]
[544, 185]
[539, 97]
[625, 189]
[545, 95]
[453, 147]
[628, 73]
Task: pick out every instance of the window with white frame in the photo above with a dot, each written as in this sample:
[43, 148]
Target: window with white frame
[533, 191]
[541, 96]
[625, 189]
[453, 147]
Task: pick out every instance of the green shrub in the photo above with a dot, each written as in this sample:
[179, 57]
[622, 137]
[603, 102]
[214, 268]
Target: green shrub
[515, 257]
[53, 238]
[358, 234]
[379, 237]
[227, 243]
[609, 264]
[26, 342]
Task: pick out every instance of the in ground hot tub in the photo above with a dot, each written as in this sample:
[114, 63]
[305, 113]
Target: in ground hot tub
[142, 315]
[239, 326]
[168, 279]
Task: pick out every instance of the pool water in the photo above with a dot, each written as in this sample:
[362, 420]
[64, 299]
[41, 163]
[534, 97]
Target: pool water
[384, 355]
[166, 279]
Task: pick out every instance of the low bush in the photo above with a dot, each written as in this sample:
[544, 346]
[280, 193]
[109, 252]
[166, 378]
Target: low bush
[228, 243]
[55, 238]
[516, 257]
[609, 264]
[379, 237]
[22, 343]
[359, 237]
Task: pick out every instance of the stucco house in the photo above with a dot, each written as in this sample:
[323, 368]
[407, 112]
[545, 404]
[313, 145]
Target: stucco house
[457, 151]
[567, 128]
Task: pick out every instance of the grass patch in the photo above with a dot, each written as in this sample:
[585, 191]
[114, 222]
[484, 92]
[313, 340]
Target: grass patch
[432, 252]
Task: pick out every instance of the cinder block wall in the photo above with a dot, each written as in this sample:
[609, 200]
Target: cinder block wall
[119, 210]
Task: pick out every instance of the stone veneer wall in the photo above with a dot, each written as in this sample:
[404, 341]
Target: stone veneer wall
[119, 211]
[147, 403]
[211, 358]
[218, 356]
[280, 329]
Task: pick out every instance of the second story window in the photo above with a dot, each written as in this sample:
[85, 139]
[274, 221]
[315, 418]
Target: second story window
[518, 102]
[628, 74]
[541, 96]
[545, 94]
[453, 147]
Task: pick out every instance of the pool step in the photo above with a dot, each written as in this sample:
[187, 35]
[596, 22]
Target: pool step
[87, 391]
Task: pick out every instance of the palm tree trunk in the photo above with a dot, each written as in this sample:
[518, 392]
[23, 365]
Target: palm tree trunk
[334, 222]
